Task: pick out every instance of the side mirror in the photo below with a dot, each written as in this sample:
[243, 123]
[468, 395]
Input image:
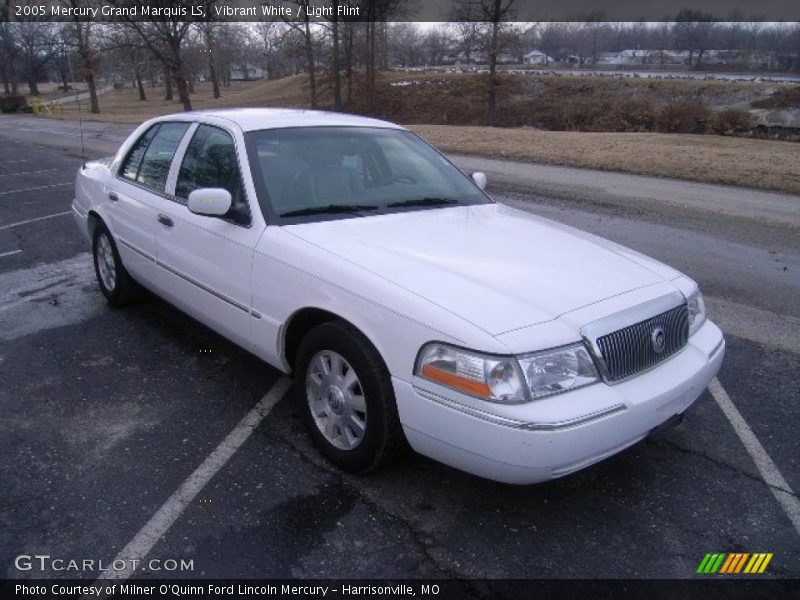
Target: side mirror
[480, 179]
[213, 202]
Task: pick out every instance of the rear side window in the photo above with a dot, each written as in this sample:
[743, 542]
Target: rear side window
[149, 161]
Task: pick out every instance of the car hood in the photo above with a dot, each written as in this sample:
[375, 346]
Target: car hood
[495, 266]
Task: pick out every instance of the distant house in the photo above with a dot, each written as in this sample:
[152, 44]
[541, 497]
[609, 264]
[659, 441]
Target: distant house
[246, 73]
[536, 57]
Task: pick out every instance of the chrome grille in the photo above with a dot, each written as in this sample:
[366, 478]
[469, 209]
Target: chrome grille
[631, 349]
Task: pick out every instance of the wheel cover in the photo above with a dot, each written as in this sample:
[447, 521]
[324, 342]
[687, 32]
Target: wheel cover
[105, 262]
[336, 400]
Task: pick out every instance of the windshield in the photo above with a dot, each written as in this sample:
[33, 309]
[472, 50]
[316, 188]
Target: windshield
[315, 173]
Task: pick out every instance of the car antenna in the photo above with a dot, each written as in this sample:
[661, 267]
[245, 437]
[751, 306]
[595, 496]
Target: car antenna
[78, 101]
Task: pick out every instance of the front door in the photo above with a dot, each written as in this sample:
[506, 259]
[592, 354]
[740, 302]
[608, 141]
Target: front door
[205, 262]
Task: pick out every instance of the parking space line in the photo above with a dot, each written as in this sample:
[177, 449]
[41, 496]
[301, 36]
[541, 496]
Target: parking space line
[18, 223]
[33, 189]
[27, 173]
[769, 471]
[2, 254]
[138, 548]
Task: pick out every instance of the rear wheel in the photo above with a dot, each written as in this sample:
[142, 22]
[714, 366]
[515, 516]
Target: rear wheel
[115, 282]
[345, 394]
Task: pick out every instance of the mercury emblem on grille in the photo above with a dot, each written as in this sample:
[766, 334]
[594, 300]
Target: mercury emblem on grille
[657, 339]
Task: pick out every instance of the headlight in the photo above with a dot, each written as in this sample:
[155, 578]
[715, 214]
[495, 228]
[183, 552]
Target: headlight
[697, 311]
[558, 370]
[507, 379]
[492, 378]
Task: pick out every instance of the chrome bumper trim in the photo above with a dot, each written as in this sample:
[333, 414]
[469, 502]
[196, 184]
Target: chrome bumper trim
[516, 424]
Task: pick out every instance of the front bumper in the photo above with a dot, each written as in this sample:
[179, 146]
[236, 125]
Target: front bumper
[549, 438]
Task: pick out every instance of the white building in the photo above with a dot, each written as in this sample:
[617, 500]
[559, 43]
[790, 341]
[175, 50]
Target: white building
[536, 57]
[246, 73]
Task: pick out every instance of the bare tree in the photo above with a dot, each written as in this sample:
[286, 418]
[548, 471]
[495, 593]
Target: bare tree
[136, 55]
[693, 31]
[497, 11]
[225, 52]
[8, 66]
[34, 48]
[661, 40]
[349, 44]
[551, 38]
[271, 34]
[164, 36]
[79, 35]
[62, 59]
[497, 14]
[435, 43]
[467, 33]
[304, 27]
[377, 13]
[594, 29]
[137, 75]
[637, 36]
[336, 61]
[209, 48]
[406, 44]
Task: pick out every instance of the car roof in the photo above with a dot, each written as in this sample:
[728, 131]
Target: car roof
[251, 119]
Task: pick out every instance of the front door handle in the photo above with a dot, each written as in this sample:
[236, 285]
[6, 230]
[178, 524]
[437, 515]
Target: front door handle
[165, 220]
[113, 196]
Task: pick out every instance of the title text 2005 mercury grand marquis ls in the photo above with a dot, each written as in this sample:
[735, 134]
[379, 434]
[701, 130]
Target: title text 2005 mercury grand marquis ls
[410, 307]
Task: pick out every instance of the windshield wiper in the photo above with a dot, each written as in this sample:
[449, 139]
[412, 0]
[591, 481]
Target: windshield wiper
[428, 201]
[330, 209]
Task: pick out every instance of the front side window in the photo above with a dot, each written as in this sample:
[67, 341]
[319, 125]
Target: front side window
[313, 173]
[210, 162]
[149, 160]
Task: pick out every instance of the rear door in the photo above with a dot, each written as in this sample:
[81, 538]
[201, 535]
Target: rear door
[133, 195]
[206, 261]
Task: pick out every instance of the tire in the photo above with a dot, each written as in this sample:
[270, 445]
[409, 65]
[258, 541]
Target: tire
[116, 284]
[337, 401]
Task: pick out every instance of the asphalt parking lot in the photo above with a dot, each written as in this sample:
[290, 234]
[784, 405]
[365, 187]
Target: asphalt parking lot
[106, 413]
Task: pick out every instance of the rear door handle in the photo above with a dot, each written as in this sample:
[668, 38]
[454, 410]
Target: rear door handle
[165, 220]
[113, 196]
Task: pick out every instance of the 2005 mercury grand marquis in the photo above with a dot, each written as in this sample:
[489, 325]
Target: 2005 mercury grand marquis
[410, 307]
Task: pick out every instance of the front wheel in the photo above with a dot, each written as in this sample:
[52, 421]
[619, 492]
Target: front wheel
[345, 394]
[115, 283]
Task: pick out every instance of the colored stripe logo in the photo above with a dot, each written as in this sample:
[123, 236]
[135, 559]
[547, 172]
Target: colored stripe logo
[731, 563]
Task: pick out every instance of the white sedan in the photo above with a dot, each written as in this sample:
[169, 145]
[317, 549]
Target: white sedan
[410, 307]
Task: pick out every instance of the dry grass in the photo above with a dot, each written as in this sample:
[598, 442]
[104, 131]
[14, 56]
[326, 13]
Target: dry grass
[124, 106]
[764, 164]
[51, 91]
